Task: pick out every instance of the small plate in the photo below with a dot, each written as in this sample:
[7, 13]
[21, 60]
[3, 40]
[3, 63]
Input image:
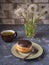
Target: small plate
[30, 56]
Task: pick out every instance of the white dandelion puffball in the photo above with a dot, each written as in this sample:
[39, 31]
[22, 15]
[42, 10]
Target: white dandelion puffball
[32, 8]
[18, 12]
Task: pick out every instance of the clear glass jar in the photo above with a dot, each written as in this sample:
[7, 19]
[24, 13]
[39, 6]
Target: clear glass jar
[30, 29]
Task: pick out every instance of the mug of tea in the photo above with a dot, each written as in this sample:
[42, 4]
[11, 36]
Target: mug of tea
[8, 35]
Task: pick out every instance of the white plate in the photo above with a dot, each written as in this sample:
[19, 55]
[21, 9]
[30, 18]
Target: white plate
[23, 55]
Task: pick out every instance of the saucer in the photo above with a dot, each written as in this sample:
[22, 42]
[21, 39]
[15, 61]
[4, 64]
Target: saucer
[30, 55]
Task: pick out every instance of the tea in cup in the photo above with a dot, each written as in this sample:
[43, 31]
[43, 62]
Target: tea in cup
[8, 35]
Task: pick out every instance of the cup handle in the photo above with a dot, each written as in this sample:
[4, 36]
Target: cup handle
[15, 35]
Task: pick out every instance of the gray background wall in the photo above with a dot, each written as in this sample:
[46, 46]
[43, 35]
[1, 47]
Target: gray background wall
[7, 8]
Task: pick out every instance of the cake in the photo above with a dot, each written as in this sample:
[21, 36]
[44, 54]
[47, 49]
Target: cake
[24, 46]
